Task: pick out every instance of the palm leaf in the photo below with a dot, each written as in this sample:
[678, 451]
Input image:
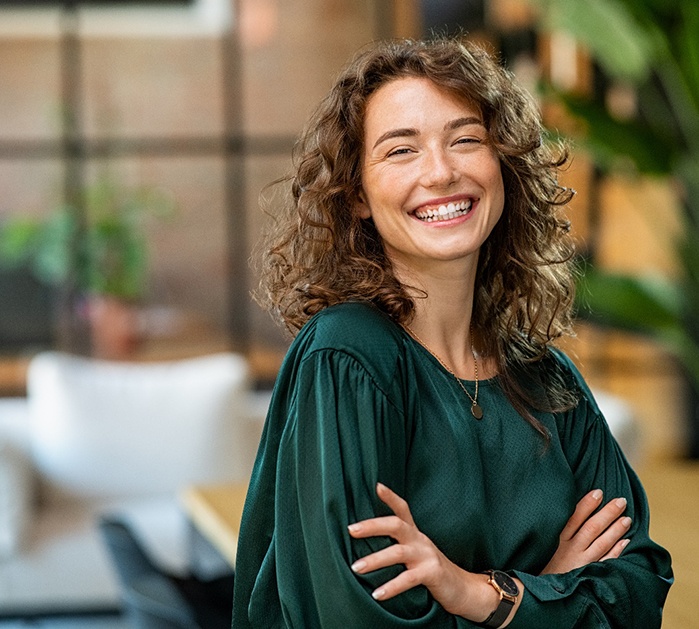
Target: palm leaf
[608, 29]
[609, 138]
[652, 306]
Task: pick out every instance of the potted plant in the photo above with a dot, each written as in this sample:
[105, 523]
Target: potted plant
[653, 48]
[100, 254]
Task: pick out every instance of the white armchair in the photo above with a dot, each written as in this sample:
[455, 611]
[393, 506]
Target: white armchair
[96, 436]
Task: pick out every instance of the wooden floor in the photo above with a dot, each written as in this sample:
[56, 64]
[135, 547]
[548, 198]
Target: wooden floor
[673, 493]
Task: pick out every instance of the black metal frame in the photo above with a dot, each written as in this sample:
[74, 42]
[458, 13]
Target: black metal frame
[74, 150]
[56, 3]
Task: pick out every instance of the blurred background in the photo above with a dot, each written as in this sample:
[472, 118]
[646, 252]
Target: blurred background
[137, 137]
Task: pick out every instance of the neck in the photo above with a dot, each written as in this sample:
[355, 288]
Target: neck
[443, 318]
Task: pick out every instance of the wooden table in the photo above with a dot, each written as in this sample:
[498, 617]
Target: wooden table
[13, 375]
[215, 511]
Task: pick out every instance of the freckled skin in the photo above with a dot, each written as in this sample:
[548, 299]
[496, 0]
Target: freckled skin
[417, 158]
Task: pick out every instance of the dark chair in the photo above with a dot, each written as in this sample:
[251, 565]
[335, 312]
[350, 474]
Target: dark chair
[154, 599]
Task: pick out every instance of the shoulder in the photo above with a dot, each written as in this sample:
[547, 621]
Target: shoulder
[356, 330]
[353, 325]
[556, 361]
[553, 381]
[560, 365]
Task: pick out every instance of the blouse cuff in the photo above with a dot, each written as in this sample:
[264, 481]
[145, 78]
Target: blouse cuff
[545, 598]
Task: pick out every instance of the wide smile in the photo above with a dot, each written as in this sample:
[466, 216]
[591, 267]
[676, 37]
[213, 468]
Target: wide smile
[445, 212]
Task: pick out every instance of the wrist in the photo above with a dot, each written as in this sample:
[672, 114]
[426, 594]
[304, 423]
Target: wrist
[477, 600]
[508, 593]
[488, 596]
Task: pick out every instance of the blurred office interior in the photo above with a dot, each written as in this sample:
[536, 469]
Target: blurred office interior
[197, 103]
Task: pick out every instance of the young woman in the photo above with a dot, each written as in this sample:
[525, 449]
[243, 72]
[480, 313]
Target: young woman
[429, 459]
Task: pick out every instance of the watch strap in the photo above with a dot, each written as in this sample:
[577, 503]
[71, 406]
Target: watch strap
[502, 611]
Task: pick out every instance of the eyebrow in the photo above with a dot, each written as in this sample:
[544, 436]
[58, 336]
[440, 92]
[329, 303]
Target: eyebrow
[411, 133]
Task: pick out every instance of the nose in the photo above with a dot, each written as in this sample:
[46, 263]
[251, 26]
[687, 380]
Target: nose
[438, 170]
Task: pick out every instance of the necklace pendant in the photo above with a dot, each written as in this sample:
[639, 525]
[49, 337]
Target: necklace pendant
[476, 411]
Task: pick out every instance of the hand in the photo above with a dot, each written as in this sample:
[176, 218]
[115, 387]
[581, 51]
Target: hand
[458, 591]
[587, 538]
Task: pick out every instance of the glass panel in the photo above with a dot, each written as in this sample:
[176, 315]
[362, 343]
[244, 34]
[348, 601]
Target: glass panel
[141, 88]
[30, 98]
[186, 302]
[30, 186]
[262, 202]
[290, 54]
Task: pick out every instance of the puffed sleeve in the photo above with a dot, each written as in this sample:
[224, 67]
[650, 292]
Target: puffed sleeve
[345, 431]
[625, 593]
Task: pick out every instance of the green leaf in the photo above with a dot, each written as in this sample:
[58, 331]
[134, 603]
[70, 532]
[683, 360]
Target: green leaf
[687, 172]
[104, 251]
[55, 252]
[18, 240]
[639, 304]
[608, 29]
[688, 43]
[652, 306]
[610, 138]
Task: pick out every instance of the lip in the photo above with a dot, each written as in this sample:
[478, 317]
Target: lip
[435, 203]
[456, 198]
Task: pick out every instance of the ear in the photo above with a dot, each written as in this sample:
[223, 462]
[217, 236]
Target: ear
[361, 207]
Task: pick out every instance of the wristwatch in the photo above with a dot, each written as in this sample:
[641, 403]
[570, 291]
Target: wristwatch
[506, 587]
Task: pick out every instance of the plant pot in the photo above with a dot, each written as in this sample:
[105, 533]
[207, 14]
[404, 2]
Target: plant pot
[115, 331]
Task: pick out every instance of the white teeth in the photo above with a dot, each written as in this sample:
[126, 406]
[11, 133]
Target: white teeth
[444, 212]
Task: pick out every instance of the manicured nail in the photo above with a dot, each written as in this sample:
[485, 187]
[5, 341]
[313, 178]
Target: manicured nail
[354, 528]
[358, 565]
[624, 543]
[597, 494]
[620, 502]
[380, 486]
[378, 594]
[626, 521]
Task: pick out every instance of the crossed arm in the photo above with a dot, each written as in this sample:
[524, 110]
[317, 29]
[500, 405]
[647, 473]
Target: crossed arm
[589, 535]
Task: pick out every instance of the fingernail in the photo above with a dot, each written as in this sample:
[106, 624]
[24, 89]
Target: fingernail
[380, 486]
[354, 528]
[626, 521]
[358, 565]
[597, 494]
[378, 594]
[624, 543]
[620, 502]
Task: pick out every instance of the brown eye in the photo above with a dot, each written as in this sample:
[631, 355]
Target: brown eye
[469, 140]
[400, 151]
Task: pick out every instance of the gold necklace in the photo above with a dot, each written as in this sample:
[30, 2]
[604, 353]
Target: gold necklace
[476, 409]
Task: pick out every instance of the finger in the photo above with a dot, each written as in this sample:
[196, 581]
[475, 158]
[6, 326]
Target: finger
[389, 556]
[616, 550]
[598, 523]
[405, 581]
[389, 525]
[397, 504]
[605, 542]
[583, 510]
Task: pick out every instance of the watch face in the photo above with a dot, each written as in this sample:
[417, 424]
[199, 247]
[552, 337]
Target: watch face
[506, 582]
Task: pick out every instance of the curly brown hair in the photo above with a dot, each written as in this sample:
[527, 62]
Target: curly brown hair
[321, 252]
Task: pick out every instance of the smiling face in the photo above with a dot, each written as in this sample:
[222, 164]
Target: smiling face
[431, 180]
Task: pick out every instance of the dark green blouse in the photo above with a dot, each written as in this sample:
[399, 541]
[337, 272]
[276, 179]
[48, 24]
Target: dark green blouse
[359, 401]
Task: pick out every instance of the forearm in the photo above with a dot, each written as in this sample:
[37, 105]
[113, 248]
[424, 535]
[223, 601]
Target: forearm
[479, 599]
[615, 593]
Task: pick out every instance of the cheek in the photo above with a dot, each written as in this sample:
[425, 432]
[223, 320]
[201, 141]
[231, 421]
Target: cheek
[499, 196]
[496, 185]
